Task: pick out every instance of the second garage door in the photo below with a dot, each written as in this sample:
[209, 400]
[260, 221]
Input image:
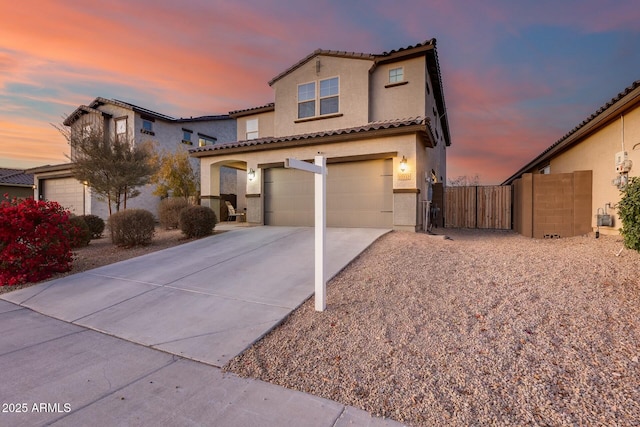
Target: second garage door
[68, 192]
[359, 194]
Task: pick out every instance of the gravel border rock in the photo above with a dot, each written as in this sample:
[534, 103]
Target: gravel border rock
[488, 328]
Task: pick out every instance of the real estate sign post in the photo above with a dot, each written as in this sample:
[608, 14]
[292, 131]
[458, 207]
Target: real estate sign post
[319, 168]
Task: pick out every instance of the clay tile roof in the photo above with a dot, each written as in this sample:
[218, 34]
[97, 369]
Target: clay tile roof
[373, 126]
[253, 110]
[15, 177]
[316, 52]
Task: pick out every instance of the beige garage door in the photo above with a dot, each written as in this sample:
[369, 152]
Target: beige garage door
[359, 194]
[66, 191]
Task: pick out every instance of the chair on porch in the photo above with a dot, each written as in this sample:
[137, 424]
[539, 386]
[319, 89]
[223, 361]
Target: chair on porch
[232, 212]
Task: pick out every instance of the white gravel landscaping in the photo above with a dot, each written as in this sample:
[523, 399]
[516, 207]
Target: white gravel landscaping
[489, 328]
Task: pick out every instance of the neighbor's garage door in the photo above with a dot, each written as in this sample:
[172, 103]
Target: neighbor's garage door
[359, 194]
[66, 191]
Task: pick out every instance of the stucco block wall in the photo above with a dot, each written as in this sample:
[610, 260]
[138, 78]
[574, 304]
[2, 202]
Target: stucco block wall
[556, 205]
[552, 205]
[597, 153]
[406, 211]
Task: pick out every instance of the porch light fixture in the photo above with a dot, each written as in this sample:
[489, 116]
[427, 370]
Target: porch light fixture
[403, 164]
[251, 174]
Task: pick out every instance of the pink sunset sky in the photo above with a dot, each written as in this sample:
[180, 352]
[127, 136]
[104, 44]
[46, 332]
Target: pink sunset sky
[517, 75]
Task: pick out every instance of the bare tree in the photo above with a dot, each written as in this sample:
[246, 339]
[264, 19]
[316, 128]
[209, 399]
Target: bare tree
[464, 181]
[113, 168]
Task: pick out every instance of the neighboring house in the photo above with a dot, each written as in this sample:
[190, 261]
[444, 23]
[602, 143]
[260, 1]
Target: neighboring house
[16, 183]
[380, 121]
[117, 118]
[595, 160]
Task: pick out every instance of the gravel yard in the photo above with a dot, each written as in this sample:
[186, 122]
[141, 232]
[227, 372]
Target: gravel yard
[489, 328]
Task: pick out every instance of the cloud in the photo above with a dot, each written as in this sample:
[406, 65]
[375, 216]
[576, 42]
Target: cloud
[39, 140]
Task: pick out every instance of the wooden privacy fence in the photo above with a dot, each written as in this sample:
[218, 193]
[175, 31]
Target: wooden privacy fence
[478, 207]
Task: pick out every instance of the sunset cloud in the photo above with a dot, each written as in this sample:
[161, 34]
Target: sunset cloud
[517, 76]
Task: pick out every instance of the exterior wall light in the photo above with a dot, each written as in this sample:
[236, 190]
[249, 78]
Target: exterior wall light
[403, 164]
[251, 174]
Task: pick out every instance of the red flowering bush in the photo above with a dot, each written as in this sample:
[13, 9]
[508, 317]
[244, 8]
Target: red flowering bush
[34, 240]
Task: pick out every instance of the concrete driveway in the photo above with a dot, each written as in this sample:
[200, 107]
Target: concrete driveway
[206, 300]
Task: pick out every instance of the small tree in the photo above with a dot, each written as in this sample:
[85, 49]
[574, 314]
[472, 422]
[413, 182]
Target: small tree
[112, 167]
[629, 213]
[174, 175]
[463, 181]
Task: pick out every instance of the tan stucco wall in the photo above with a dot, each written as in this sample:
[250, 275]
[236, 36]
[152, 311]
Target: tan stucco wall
[353, 102]
[398, 101]
[405, 204]
[265, 125]
[596, 153]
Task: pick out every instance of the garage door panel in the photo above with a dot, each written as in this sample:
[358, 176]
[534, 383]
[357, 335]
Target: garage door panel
[359, 194]
[68, 192]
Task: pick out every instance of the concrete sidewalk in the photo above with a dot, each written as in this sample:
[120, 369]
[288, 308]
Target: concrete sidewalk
[206, 301]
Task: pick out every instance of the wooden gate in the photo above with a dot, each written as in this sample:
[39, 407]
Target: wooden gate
[478, 207]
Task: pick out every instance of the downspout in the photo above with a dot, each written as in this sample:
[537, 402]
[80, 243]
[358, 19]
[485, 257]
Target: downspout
[622, 120]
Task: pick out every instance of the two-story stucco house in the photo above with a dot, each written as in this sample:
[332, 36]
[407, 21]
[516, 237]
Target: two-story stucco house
[379, 120]
[118, 118]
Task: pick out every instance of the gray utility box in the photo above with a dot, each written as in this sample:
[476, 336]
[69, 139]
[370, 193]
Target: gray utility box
[604, 220]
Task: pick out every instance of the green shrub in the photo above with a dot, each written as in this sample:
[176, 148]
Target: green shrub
[197, 221]
[629, 213]
[95, 224]
[131, 227]
[169, 211]
[79, 233]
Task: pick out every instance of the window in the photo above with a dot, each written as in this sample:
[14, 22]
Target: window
[329, 91]
[328, 98]
[186, 136]
[206, 140]
[307, 100]
[147, 126]
[86, 130]
[545, 170]
[121, 129]
[252, 129]
[396, 75]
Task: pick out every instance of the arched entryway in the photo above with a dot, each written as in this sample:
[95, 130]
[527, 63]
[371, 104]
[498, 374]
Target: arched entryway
[227, 182]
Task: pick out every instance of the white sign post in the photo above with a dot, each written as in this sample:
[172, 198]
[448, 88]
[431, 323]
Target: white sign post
[319, 169]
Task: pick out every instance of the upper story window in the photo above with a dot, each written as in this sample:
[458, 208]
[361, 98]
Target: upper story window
[307, 100]
[121, 128]
[252, 129]
[396, 75]
[147, 126]
[186, 136]
[329, 92]
[206, 140]
[86, 130]
[326, 100]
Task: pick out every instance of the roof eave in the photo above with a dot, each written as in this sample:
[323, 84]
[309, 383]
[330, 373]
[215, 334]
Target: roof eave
[302, 140]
